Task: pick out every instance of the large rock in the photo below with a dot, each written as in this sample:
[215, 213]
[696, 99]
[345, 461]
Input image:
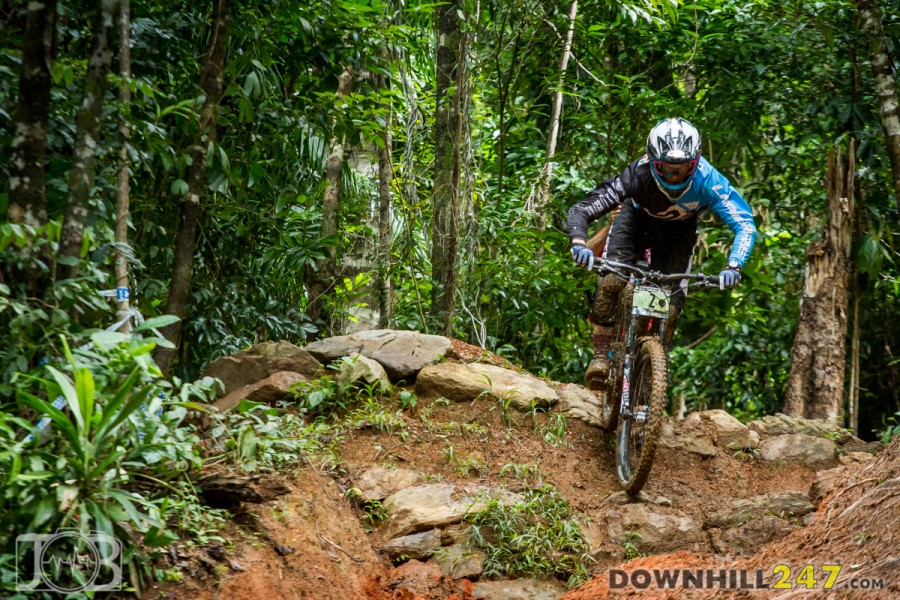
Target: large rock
[782, 504]
[357, 369]
[581, 403]
[520, 589]
[807, 450]
[269, 391]
[688, 435]
[259, 361]
[727, 431]
[826, 481]
[416, 546]
[377, 483]
[459, 562]
[465, 382]
[422, 507]
[435, 505]
[781, 424]
[402, 353]
[658, 529]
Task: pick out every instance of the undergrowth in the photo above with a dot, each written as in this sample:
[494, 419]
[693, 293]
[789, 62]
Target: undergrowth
[538, 536]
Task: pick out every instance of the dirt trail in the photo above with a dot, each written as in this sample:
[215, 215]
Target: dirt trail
[312, 543]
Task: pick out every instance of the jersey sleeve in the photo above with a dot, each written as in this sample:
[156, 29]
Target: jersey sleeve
[728, 204]
[601, 200]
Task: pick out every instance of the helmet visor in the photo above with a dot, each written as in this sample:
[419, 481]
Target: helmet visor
[674, 172]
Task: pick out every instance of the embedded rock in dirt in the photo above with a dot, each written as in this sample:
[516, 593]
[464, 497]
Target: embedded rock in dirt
[259, 361]
[414, 580]
[826, 481]
[728, 432]
[270, 390]
[581, 403]
[359, 369]
[687, 435]
[377, 483]
[810, 451]
[460, 562]
[749, 537]
[780, 424]
[427, 506]
[658, 529]
[420, 507]
[788, 504]
[465, 382]
[623, 497]
[415, 546]
[520, 589]
[402, 353]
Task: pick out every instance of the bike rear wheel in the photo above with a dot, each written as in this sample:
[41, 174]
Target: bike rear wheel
[639, 428]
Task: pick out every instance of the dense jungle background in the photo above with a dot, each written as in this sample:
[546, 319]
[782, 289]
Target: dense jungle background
[295, 170]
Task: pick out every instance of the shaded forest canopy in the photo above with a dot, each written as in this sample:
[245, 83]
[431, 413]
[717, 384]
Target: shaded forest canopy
[360, 164]
[183, 180]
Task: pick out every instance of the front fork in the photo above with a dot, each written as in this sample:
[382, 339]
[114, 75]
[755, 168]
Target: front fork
[630, 351]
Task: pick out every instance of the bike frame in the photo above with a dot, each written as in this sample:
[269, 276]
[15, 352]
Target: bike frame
[649, 299]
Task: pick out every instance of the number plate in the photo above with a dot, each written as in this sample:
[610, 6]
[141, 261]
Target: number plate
[650, 301]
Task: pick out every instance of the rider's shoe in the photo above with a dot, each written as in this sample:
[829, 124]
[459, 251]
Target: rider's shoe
[597, 372]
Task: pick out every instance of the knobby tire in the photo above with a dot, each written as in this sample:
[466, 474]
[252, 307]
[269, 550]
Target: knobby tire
[637, 441]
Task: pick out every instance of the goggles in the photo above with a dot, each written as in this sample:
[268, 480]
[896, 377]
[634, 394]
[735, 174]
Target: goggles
[674, 171]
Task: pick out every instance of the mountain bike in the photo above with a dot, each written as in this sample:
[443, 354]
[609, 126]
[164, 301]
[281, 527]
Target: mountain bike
[638, 374]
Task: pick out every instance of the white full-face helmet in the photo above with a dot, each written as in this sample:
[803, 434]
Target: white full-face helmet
[673, 148]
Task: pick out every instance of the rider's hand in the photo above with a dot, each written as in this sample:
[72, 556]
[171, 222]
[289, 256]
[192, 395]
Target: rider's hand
[582, 256]
[729, 278]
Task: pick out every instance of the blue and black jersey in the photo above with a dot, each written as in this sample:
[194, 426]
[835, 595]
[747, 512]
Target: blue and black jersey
[709, 189]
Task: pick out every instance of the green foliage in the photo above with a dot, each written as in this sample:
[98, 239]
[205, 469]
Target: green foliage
[120, 425]
[257, 438]
[538, 536]
[630, 550]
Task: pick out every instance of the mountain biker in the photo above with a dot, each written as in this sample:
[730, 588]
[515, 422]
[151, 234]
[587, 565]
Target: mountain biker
[660, 196]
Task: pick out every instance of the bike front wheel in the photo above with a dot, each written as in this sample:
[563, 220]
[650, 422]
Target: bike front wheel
[639, 427]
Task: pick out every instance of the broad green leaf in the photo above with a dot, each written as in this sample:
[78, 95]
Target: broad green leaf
[157, 322]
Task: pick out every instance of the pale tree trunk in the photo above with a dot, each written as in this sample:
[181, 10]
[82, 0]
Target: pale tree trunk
[326, 269]
[87, 133]
[543, 191]
[27, 199]
[385, 176]
[186, 237]
[885, 86]
[408, 174]
[122, 178]
[818, 357]
[448, 133]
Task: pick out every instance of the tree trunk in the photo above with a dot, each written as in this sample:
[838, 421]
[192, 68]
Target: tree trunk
[186, 238]
[323, 278]
[818, 357]
[385, 176]
[543, 193]
[87, 132]
[122, 177]
[27, 199]
[885, 86]
[448, 131]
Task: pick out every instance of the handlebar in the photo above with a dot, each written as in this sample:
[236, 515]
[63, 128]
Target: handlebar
[627, 271]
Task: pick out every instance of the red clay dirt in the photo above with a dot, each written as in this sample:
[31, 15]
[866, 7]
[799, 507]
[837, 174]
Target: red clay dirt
[312, 543]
